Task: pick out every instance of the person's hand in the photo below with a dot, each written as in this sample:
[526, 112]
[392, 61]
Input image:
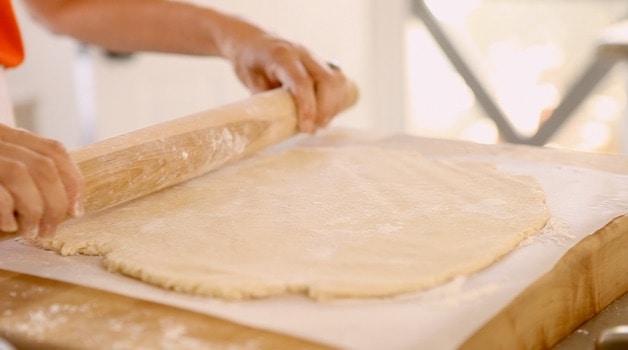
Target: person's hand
[263, 61]
[39, 184]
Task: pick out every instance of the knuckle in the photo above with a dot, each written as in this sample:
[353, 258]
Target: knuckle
[306, 82]
[14, 170]
[20, 133]
[284, 49]
[54, 147]
[44, 167]
[334, 80]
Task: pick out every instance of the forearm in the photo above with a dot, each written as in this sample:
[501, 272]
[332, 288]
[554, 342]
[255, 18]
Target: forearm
[261, 60]
[143, 25]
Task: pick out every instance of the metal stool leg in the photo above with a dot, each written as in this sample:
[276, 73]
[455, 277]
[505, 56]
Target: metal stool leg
[582, 87]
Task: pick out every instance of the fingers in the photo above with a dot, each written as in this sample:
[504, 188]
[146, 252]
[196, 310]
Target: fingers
[7, 216]
[39, 184]
[68, 171]
[330, 88]
[318, 89]
[295, 77]
[27, 204]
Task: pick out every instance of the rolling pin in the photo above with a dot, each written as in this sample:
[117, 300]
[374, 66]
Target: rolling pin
[141, 162]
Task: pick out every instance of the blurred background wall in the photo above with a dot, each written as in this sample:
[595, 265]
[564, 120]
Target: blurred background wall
[528, 52]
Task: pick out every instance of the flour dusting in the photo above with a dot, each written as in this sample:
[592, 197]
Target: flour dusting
[555, 232]
[122, 331]
[38, 323]
[229, 141]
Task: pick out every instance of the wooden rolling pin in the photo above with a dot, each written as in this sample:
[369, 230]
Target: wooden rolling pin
[141, 162]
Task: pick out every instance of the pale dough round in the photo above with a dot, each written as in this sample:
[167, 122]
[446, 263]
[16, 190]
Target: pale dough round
[329, 223]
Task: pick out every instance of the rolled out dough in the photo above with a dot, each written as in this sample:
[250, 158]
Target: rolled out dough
[330, 223]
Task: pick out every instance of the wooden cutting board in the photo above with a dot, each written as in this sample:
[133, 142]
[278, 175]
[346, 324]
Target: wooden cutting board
[38, 313]
[587, 278]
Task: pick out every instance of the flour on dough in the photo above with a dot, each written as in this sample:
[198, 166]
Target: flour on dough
[349, 222]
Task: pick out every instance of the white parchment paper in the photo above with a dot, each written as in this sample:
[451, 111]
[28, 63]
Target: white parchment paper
[581, 201]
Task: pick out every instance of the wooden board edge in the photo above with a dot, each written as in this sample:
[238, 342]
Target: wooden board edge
[37, 313]
[564, 298]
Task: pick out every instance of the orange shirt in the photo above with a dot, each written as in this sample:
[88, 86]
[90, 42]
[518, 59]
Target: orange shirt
[11, 49]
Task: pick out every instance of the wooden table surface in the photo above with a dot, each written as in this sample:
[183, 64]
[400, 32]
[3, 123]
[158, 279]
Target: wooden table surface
[37, 313]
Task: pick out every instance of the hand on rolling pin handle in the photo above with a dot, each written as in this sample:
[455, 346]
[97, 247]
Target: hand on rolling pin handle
[263, 61]
[39, 184]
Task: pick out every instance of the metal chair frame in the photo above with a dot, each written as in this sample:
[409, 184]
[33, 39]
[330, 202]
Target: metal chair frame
[607, 55]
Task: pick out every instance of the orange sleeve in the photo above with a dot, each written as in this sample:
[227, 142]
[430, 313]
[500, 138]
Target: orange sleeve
[11, 49]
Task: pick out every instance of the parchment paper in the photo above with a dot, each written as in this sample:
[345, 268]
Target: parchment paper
[580, 200]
